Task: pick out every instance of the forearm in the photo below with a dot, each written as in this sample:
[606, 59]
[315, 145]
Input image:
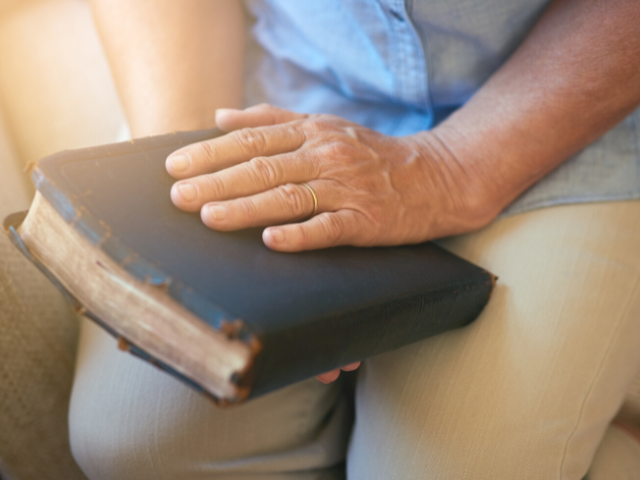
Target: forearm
[575, 77]
[174, 63]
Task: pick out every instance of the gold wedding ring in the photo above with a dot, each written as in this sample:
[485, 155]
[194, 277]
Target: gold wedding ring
[315, 199]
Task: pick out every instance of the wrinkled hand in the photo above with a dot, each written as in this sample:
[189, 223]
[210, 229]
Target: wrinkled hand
[372, 189]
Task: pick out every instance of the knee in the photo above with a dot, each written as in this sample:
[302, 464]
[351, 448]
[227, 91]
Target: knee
[137, 426]
[108, 444]
[121, 412]
[128, 420]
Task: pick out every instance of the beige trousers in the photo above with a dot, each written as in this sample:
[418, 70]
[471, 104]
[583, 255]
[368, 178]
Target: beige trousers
[526, 392]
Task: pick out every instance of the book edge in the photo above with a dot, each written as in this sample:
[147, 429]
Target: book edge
[99, 234]
[236, 380]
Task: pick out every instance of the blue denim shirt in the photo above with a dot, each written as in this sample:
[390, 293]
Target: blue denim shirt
[401, 66]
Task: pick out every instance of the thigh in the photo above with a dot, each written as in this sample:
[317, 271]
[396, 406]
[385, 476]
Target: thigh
[129, 420]
[528, 390]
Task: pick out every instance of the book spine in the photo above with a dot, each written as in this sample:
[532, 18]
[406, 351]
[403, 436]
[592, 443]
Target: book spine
[11, 223]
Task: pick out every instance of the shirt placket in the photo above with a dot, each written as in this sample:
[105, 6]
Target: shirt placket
[407, 59]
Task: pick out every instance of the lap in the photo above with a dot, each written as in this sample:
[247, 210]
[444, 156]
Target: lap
[528, 390]
[131, 421]
[525, 392]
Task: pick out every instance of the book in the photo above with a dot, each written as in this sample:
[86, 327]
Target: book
[219, 310]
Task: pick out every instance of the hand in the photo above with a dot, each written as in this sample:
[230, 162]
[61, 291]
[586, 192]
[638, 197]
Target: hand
[372, 189]
[333, 375]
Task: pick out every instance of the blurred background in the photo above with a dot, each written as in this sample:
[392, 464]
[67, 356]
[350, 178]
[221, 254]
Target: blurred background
[56, 93]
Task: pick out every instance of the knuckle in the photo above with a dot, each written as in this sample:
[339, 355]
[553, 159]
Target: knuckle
[292, 198]
[331, 227]
[208, 151]
[294, 131]
[269, 112]
[315, 124]
[299, 237]
[265, 171]
[248, 210]
[338, 149]
[251, 140]
[215, 186]
[304, 237]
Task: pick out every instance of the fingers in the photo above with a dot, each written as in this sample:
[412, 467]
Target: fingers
[287, 203]
[333, 375]
[228, 120]
[344, 227]
[351, 367]
[249, 178]
[329, 377]
[253, 175]
[234, 148]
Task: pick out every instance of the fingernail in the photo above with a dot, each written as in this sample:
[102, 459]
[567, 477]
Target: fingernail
[188, 191]
[179, 163]
[277, 235]
[217, 212]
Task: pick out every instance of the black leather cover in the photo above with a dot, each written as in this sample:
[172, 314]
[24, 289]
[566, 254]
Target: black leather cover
[310, 312]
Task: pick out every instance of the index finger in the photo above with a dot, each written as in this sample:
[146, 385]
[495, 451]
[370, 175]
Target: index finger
[234, 148]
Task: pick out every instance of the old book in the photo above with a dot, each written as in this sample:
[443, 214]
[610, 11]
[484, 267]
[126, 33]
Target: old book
[220, 310]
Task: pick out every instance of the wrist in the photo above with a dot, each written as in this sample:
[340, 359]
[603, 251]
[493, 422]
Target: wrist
[466, 177]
